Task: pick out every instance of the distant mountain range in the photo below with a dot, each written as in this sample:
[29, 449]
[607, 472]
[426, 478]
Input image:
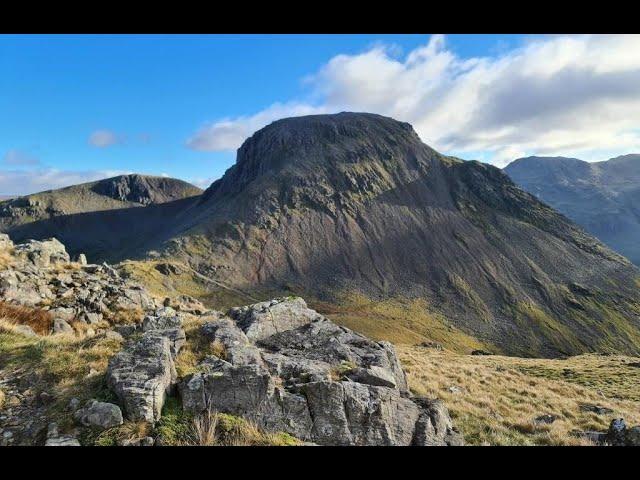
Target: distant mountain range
[602, 197]
[355, 211]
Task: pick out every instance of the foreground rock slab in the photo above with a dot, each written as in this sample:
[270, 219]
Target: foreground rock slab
[290, 369]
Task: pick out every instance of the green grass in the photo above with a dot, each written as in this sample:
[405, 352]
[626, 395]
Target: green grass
[401, 321]
[62, 366]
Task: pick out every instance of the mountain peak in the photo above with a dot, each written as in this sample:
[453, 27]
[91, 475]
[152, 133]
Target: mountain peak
[319, 145]
[144, 189]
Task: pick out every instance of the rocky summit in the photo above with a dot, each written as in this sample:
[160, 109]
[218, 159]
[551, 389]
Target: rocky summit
[279, 365]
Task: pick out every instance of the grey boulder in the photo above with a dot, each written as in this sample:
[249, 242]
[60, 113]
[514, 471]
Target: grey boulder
[99, 414]
[261, 320]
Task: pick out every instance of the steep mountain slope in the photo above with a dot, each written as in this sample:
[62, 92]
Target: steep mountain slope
[346, 205]
[602, 197]
[353, 210]
[93, 215]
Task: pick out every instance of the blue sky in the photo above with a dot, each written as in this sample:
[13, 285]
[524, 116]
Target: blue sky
[78, 107]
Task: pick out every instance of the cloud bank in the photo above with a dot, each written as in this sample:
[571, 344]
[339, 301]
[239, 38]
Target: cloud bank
[22, 182]
[575, 95]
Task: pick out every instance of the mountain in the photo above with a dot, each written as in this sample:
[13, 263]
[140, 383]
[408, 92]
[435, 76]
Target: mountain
[67, 212]
[348, 206]
[602, 197]
[355, 213]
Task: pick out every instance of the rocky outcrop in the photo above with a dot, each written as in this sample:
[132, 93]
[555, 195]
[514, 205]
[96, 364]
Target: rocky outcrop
[42, 253]
[144, 373]
[290, 369]
[42, 275]
[621, 436]
[264, 319]
[278, 363]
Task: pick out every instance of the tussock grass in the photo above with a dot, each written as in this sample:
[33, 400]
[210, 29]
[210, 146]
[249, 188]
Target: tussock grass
[39, 320]
[497, 398]
[212, 428]
[195, 349]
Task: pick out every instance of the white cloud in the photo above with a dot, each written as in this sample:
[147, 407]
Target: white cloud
[202, 183]
[19, 158]
[18, 182]
[557, 95]
[228, 134]
[103, 138]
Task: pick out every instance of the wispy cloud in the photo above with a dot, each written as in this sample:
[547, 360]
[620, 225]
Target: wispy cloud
[228, 134]
[103, 138]
[556, 95]
[16, 158]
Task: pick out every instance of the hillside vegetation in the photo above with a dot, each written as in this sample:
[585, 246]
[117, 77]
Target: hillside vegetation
[495, 400]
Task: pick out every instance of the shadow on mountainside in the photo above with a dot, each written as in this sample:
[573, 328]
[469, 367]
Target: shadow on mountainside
[110, 235]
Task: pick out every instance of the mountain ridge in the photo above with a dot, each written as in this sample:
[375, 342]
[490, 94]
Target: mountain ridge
[602, 197]
[355, 209]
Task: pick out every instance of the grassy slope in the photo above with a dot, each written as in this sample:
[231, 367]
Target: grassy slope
[400, 321]
[494, 399]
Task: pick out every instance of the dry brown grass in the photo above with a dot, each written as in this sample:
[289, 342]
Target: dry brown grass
[218, 349]
[126, 317]
[1, 399]
[195, 349]
[495, 399]
[123, 434]
[39, 320]
[65, 267]
[6, 258]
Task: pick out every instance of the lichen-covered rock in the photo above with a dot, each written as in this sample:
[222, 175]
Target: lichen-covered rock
[349, 413]
[170, 326]
[99, 414]
[434, 426]
[5, 241]
[619, 435]
[321, 340]
[261, 320]
[142, 374]
[60, 326]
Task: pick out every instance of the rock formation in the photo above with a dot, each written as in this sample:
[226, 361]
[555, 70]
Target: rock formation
[293, 370]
